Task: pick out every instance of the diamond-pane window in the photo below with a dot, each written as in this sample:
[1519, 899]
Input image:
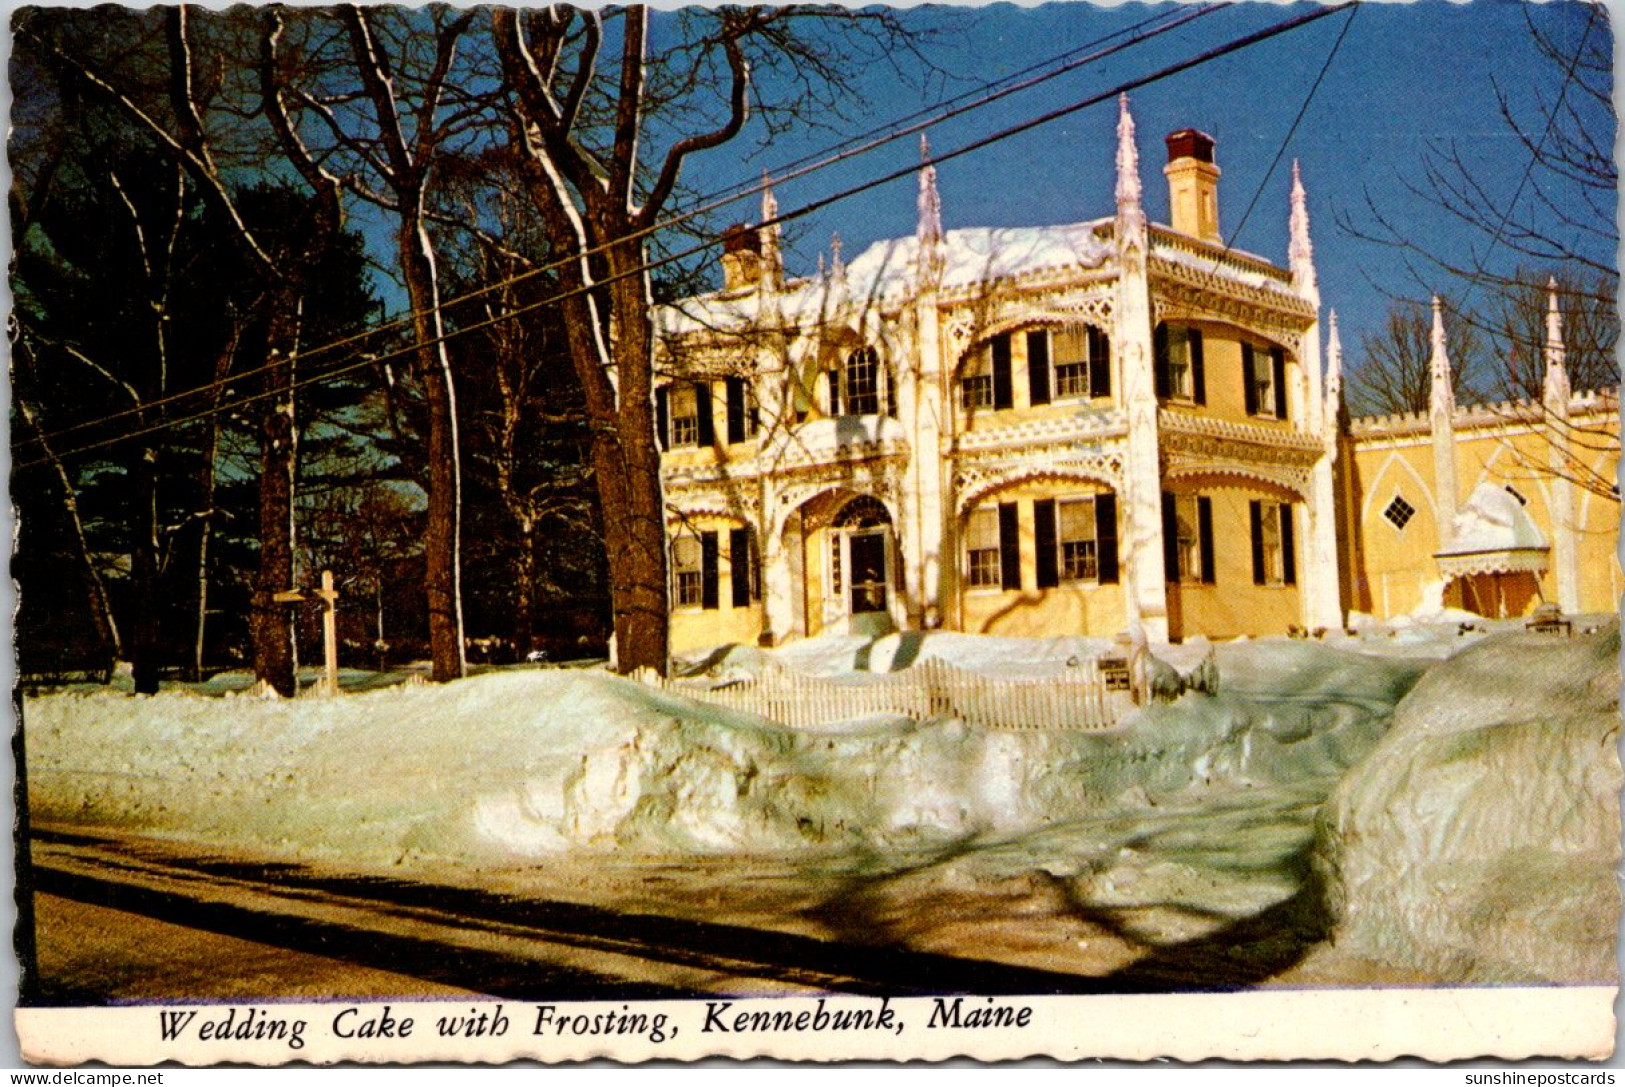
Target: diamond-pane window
[1399, 512]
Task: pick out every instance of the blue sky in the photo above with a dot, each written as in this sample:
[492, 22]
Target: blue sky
[1407, 77]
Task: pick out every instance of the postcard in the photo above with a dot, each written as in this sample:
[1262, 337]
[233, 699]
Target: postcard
[824, 534]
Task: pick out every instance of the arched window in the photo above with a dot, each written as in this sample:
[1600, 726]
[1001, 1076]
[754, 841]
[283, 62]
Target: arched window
[861, 385]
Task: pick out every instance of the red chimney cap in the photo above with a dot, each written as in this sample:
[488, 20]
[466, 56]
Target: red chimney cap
[741, 238]
[1188, 143]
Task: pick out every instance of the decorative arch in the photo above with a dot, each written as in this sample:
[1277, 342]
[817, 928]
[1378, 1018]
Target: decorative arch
[1425, 492]
[967, 341]
[795, 499]
[1274, 483]
[975, 490]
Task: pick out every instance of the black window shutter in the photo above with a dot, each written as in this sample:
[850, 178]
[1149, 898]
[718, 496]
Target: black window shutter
[1198, 375]
[739, 565]
[834, 378]
[702, 401]
[1278, 361]
[708, 570]
[1160, 370]
[1049, 568]
[1249, 386]
[1003, 397]
[1170, 538]
[1009, 547]
[1204, 529]
[1038, 367]
[1100, 362]
[1289, 560]
[736, 410]
[1106, 538]
[1255, 521]
[663, 416]
[891, 391]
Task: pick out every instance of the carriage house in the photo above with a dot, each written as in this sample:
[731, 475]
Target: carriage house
[1025, 431]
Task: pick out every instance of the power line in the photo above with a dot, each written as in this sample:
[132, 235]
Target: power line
[876, 137]
[797, 213]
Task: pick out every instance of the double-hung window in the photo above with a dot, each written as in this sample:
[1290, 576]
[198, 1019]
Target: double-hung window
[1263, 372]
[1187, 538]
[1076, 533]
[982, 548]
[1274, 562]
[1179, 370]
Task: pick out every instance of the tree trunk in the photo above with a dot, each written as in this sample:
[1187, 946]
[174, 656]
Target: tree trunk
[524, 588]
[101, 613]
[145, 647]
[635, 521]
[271, 626]
[442, 541]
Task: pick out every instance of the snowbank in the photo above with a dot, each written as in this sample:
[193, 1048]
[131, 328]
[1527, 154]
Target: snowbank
[504, 768]
[1479, 841]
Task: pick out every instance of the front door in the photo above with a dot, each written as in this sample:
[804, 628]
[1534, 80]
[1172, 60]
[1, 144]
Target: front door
[867, 555]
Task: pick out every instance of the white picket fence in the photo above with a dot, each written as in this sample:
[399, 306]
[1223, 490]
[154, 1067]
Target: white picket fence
[1077, 700]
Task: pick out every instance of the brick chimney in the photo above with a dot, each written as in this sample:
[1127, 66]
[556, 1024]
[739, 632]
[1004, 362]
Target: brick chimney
[741, 257]
[1193, 185]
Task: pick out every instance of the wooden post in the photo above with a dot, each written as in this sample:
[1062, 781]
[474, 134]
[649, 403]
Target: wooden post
[330, 632]
[328, 596]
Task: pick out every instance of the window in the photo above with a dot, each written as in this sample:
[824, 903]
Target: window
[1179, 371]
[742, 410]
[982, 548]
[1399, 512]
[1071, 363]
[744, 567]
[1187, 538]
[861, 378]
[1274, 558]
[1259, 376]
[1071, 351]
[976, 391]
[683, 414]
[694, 569]
[1077, 538]
[1263, 375]
[687, 569]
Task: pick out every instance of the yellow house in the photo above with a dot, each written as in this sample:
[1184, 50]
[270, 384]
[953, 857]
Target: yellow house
[1034, 431]
[1492, 508]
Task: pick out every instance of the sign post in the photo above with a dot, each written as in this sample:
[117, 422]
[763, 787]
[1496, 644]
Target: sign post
[328, 596]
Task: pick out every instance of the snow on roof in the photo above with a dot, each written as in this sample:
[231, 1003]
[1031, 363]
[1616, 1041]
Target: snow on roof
[885, 272]
[1493, 520]
[1217, 265]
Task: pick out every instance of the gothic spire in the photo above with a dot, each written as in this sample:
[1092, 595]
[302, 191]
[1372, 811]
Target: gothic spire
[1442, 397]
[1128, 165]
[929, 229]
[930, 203]
[772, 256]
[1334, 368]
[1300, 251]
[1557, 374]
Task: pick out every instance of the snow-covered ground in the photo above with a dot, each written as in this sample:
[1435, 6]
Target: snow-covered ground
[1480, 841]
[1071, 850]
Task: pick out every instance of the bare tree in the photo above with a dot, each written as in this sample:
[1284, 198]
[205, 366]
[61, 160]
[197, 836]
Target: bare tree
[580, 138]
[1395, 374]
